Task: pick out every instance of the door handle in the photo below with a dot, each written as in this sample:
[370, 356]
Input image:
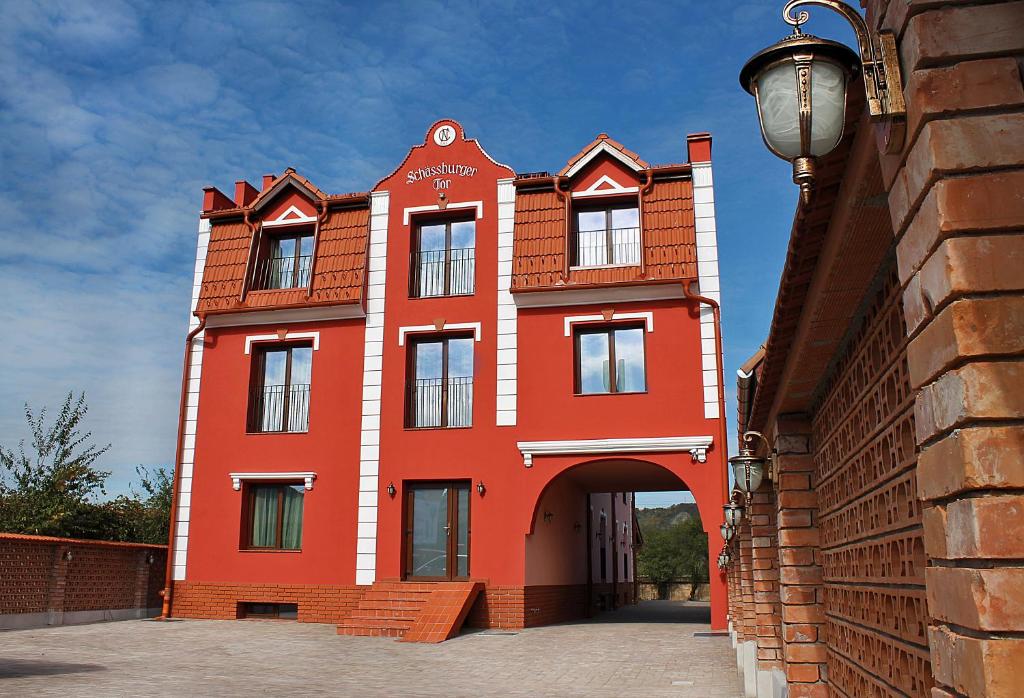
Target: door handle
[448, 530]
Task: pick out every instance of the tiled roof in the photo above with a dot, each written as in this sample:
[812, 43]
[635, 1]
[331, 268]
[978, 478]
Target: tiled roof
[274, 188]
[338, 270]
[603, 138]
[78, 541]
[541, 233]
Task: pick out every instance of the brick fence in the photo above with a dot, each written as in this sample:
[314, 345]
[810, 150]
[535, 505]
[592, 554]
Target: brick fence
[55, 581]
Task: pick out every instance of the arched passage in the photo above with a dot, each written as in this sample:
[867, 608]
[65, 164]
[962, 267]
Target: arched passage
[561, 526]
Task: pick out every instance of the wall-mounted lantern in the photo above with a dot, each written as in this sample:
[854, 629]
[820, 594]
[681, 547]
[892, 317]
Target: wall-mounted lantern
[727, 532]
[749, 469]
[391, 490]
[800, 86]
[733, 513]
[480, 488]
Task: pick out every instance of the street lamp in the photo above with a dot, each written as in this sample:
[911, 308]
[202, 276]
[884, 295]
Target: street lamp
[733, 513]
[748, 469]
[726, 531]
[800, 85]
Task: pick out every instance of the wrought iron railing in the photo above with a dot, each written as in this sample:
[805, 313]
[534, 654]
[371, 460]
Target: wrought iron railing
[280, 408]
[283, 272]
[442, 272]
[598, 248]
[439, 402]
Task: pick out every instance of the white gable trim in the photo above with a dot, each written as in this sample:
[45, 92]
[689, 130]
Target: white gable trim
[419, 329]
[613, 188]
[288, 337]
[306, 477]
[478, 205]
[298, 217]
[603, 147]
[646, 316]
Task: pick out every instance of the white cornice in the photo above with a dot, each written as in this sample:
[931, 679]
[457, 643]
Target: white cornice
[287, 337]
[591, 296]
[306, 477]
[603, 147]
[347, 311]
[647, 317]
[445, 327]
[696, 445]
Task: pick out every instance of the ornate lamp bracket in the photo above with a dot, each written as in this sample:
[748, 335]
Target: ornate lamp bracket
[883, 82]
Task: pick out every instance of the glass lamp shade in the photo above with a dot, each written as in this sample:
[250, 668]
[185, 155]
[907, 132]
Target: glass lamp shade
[800, 88]
[726, 531]
[733, 513]
[748, 470]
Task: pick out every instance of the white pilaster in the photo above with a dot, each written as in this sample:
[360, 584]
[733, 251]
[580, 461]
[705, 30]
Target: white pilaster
[507, 312]
[373, 354]
[186, 466]
[707, 280]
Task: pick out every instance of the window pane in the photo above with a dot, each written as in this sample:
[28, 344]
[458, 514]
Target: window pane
[463, 234]
[428, 359]
[302, 363]
[591, 238]
[460, 382]
[432, 237]
[275, 361]
[460, 357]
[427, 393]
[462, 543]
[593, 363]
[306, 242]
[273, 390]
[590, 220]
[291, 525]
[629, 360]
[429, 534]
[264, 517]
[625, 218]
[284, 247]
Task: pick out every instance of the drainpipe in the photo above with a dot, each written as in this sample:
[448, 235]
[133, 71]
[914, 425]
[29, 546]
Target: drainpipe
[186, 375]
[321, 216]
[716, 308]
[556, 181]
[644, 191]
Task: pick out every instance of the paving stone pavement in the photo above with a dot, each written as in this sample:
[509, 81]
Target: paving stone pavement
[645, 650]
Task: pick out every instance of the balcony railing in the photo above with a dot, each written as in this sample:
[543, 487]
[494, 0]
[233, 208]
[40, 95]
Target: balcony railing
[442, 273]
[283, 272]
[282, 408]
[439, 402]
[599, 248]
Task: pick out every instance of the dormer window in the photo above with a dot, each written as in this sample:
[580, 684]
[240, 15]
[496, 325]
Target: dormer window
[286, 261]
[606, 235]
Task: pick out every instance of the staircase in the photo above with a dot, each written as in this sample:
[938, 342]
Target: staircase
[412, 611]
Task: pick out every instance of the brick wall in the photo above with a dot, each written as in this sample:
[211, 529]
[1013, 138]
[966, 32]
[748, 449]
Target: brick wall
[318, 603]
[956, 199]
[47, 581]
[514, 607]
[868, 514]
[765, 568]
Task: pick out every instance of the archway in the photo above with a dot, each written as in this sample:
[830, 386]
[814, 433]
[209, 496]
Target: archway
[572, 500]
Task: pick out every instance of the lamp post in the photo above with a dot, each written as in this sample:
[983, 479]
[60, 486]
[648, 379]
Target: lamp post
[800, 86]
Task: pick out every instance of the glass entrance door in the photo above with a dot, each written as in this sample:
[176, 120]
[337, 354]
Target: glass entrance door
[437, 531]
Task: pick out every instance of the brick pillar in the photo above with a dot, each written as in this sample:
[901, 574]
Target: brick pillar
[800, 574]
[57, 585]
[767, 610]
[957, 207]
[142, 571]
[748, 634]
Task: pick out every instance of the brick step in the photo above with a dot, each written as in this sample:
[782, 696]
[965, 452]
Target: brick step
[407, 606]
[370, 631]
[396, 596]
[375, 614]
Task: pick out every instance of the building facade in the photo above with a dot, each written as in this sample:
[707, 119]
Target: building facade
[460, 376]
[884, 555]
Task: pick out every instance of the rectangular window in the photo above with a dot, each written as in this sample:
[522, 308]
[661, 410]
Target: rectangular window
[281, 611]
[610, 360]
[608, 236]
[443, 262]
[286, 261]
[440, 383]
[274, 517]
[279, 393]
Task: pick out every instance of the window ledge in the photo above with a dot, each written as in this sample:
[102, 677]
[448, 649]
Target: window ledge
[270, 550]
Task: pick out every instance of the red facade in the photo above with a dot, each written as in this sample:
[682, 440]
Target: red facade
[462, 349]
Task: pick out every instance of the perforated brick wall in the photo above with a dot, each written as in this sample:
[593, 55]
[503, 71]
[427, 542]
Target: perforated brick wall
[40, 574]
[868, 513]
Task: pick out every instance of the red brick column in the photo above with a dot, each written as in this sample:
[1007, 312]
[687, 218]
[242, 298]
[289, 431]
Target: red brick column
[57, 584]
[746, 567]
[800, 574]
[957, 206]
[765, 559]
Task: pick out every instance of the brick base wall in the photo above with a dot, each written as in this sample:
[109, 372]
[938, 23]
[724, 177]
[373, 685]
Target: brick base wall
[515, 608]
[318, 603]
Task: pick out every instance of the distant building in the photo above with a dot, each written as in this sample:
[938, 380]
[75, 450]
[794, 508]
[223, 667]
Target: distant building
[460, 376]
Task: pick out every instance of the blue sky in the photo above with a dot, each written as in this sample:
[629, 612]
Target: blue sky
[114, 115]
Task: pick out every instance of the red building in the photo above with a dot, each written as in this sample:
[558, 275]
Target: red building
[462, 375]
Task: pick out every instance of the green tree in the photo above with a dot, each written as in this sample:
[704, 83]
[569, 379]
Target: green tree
[678, 552]
[50, 491]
